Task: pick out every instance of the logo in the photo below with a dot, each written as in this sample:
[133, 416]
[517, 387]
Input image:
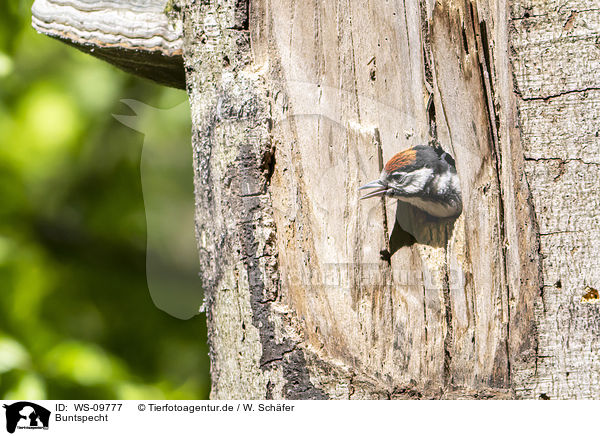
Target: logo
[26, 415]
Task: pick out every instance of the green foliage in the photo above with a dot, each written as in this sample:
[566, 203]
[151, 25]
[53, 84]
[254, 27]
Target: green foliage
[76, 317]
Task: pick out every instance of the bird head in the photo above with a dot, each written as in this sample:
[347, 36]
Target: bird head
[424, 176]
[399, 176]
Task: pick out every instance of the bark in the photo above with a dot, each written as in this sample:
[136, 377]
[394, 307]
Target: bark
[556, 57]
[297, 104]
[300, 303]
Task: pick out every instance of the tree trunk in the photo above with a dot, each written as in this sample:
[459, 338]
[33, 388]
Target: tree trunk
[556, 59]
[297, 104]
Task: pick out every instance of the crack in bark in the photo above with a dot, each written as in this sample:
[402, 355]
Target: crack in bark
[449, 337]
[483, 52]
[560, 94]
[528, 16]
[279, 358]
[428, 71]
[560, 160]
[386, 233]
[560, 232]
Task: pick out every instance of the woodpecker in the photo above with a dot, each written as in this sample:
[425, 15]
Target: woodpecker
[423, 176]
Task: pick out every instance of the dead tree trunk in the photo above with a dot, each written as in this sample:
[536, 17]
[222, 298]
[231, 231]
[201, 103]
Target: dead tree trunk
[296, 104]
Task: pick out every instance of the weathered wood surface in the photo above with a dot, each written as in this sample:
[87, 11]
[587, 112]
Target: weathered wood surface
[300, 304]
[296, 104]
[556, 60]
[137, 36]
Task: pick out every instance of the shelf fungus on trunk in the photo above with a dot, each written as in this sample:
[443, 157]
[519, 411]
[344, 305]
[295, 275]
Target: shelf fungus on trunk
[141, 37]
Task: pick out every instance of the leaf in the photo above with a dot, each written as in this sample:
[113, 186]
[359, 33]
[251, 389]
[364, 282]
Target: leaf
[13, 355]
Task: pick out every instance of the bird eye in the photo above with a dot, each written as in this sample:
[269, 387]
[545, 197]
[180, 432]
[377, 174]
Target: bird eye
[398, 177]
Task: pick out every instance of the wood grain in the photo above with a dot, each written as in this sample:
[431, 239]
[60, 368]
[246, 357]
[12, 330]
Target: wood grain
[297, 104]
[435, 321]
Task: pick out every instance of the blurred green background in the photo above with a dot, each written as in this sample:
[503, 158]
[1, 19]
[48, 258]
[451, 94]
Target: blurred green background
[77, 320]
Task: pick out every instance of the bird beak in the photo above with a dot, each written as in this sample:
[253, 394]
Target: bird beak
[380, 189]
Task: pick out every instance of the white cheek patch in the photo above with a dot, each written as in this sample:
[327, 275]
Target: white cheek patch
[417, 180]
[456, 183]
[446, 181]
[442, 182]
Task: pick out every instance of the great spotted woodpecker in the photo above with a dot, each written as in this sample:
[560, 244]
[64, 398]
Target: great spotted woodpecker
[423, 176]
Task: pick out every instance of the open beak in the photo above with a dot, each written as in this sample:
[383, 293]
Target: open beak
[380, 189]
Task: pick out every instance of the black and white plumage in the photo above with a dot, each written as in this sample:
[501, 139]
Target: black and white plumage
[423, 176]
